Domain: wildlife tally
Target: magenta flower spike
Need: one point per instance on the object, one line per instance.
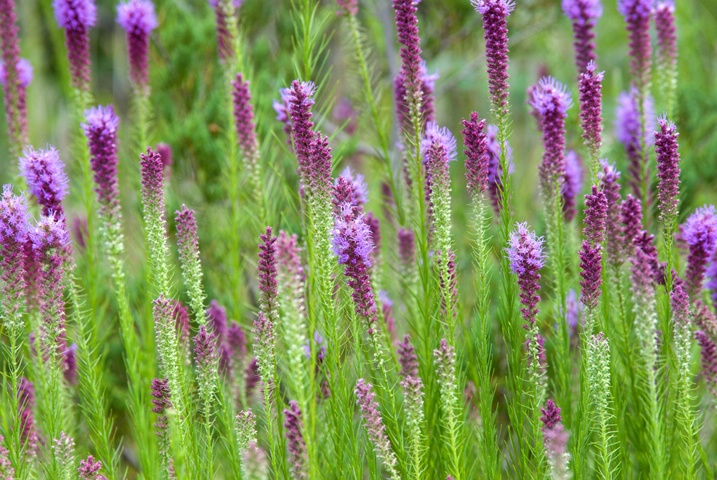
(225, 37)
(590, 87)
(628, 132)
(590, 273)
(476, 152)
(180, 313)
(609, 178)
(708, 351)
(350, 188)
(637, 15)
(244, 118)
(374, 425)
(162, 401)
(76, 17)
(205, 351)
(217, 319)
(572, 185)
(138, 19)
(495, 32)
(667, 48)
(14, 233)
(11, 77)
(352, 245)
(700, 234)
(407, 358)
(152, 179)
(23, 71)
(295, 440)
(584, 15)
(555, 438)
(595, 216)
(300, 101)
(90, 469)
(525, 253)
(100, 127)
(45, 175)
(348, 7)
(411, 75)
(266, 275)
(427, 82)
(668, 169)
(495, 172)
(631, 223)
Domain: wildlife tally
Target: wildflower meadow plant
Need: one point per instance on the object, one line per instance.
(258, 251)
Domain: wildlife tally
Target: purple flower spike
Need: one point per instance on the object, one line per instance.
(591, 274)
(45, 175)
(667, 43)
(244, 118)
(609, 178)
(152, 172)
(476, 152)
(89, 469)
(552, 100)
(236, 340)
(595, 216)
(11, 77)
(225, 39)
(631, 220)
(300, 100)
(525, 252)
(180, 313)
(708, 351)
(69, 364)
(668, 169)
(374, 424)
(295, 440)
(76, 17)
(266, 274)
(406, 247)
(555, 438)
(100, 127)
(407, 358)
(591, 107)
(700, 234)
(495, 31)
(495, 172)
(628, 132)
(350, 188)
(583, 15)
(410, 76)
(680, 302)
(204, 348)
(637, 18)
(161, 401)
(14, 228)
(572, 185)
(138, 19)
(427, 83)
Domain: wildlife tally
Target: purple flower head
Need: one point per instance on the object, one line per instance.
(236, 339)
(204, 348)
(637, 18)
(217, 318)
(75, 14)
(266, 275)
(590, 273)
(152, 171)
(572, 185)
(410, 73)
(406, 247)
(645, 242)
(164, 150)
(551, 415)
(609, 178)
(24, 73)
(138, 19)
(708, 351)
(628, 132)
(350, 188)
(555, 438)
(582, 11)
(668, 169)
(180, 313)
(525, 253)
(295, 440)
(699, 232)
(300, 101)
(631, 223)
(551, 98)
(89, 469)
(373, 422)
(161, 401)
(45, 175)
(495, 172)
(583, 15)
(595, 216)
(476, 152)
(15, 251)
(426, 85)
(100, 127)
(495, 32)
(407, 358)
(680, 302)
(590, 86)
(244, 117)
(666, 35)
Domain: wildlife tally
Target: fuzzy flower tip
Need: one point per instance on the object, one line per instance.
(138, 19)
(75, 14)
(76, 17)
(408, 37)
(552, 101)
(495, 32)
(300, 101)
(668, 169)
(101, 124)
(24, 73)
(583, 15)
(590, 87)
(350, 187)
(295, 440)
(45, 175)
(525, 253)
(572, 185)
(700, 234)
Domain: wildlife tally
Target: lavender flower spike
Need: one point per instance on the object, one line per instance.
(138, 19)
(583, 14)
(668, 171)
(295, 441)
(14, 219)
(667, 49)
(244, 120)
(375, 427)
(76, 17)
(407, 358)
(11, 77)
(410, 74)
(45, 175)
(637, 15)
(552, 100)
(590, 86)
(591, 250)
(101, 124)
(439, 148)
(525, 252)
(495, 31)
(476, 152)
(267, 274)
(700, 234)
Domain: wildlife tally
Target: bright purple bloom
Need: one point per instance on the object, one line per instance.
(668, 169)
(476, 152)
(350, 188)
(295, 440)
(552, 101)
(164, 150)
(11, 78)
(16, 254)
(45, 175)
(700, 234)
(609, 178)
(525, 252)
(572, 185)
(495, 31)
(217, 318)
(438, 149)
(152, 171)
(637, 18)
(244, 118)
(642, 276)
(89, 469)
(590, 273)
(410, 75)
(266, 275)
(138, 19)
(427, 87)
(645, 242)
(495, 172)
(680, 302)
(595, 216)
(583, 15)
(628, 132)
(407, 358)
(631, 223)
(591, 107)
(76, 17)
(100, 127)
(406, 247)
(352, 245)
(708, 351)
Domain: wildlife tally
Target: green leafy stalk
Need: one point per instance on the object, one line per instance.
(597, 358)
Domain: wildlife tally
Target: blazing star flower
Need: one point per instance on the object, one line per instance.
(609, 178)
(224, 10)
(590, 86)
(668, 169)
(14, 236)
(628, 132)
(161, 401)
(552, 100)
(374, 426)
(555, 438)
(348, 7)
(572, 184)
(11, 77)
(266, 275)
(525, 253)
(438, 149)
(407, 358)
(631, 224)
(495, 172)
(590, 272)
(23, 71)
(188, 249)
(138, 19)
(708, 351)
(476, 152)
(583, 15)
(89, 469)
(264, 348)
(700, 234)
(410, 74)
(76, 17)
(595, 216)
(667, 46)
(217, 319)
(244, 118)
(100, 127)
(637, 15)
(495, 32)
(45, 175)
(295, 440)
(350, 188)
(427, 87)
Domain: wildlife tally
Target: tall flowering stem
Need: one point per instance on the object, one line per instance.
(14, 229)
(445, 358)
(700, 234)
(600, 395)
(296, 444)
(76, 18)
(375, 427)
(583, 15)
(555, 440)
(666, 51)
(590, 86)
(596, 207)
(188, 246)
(15, 75)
